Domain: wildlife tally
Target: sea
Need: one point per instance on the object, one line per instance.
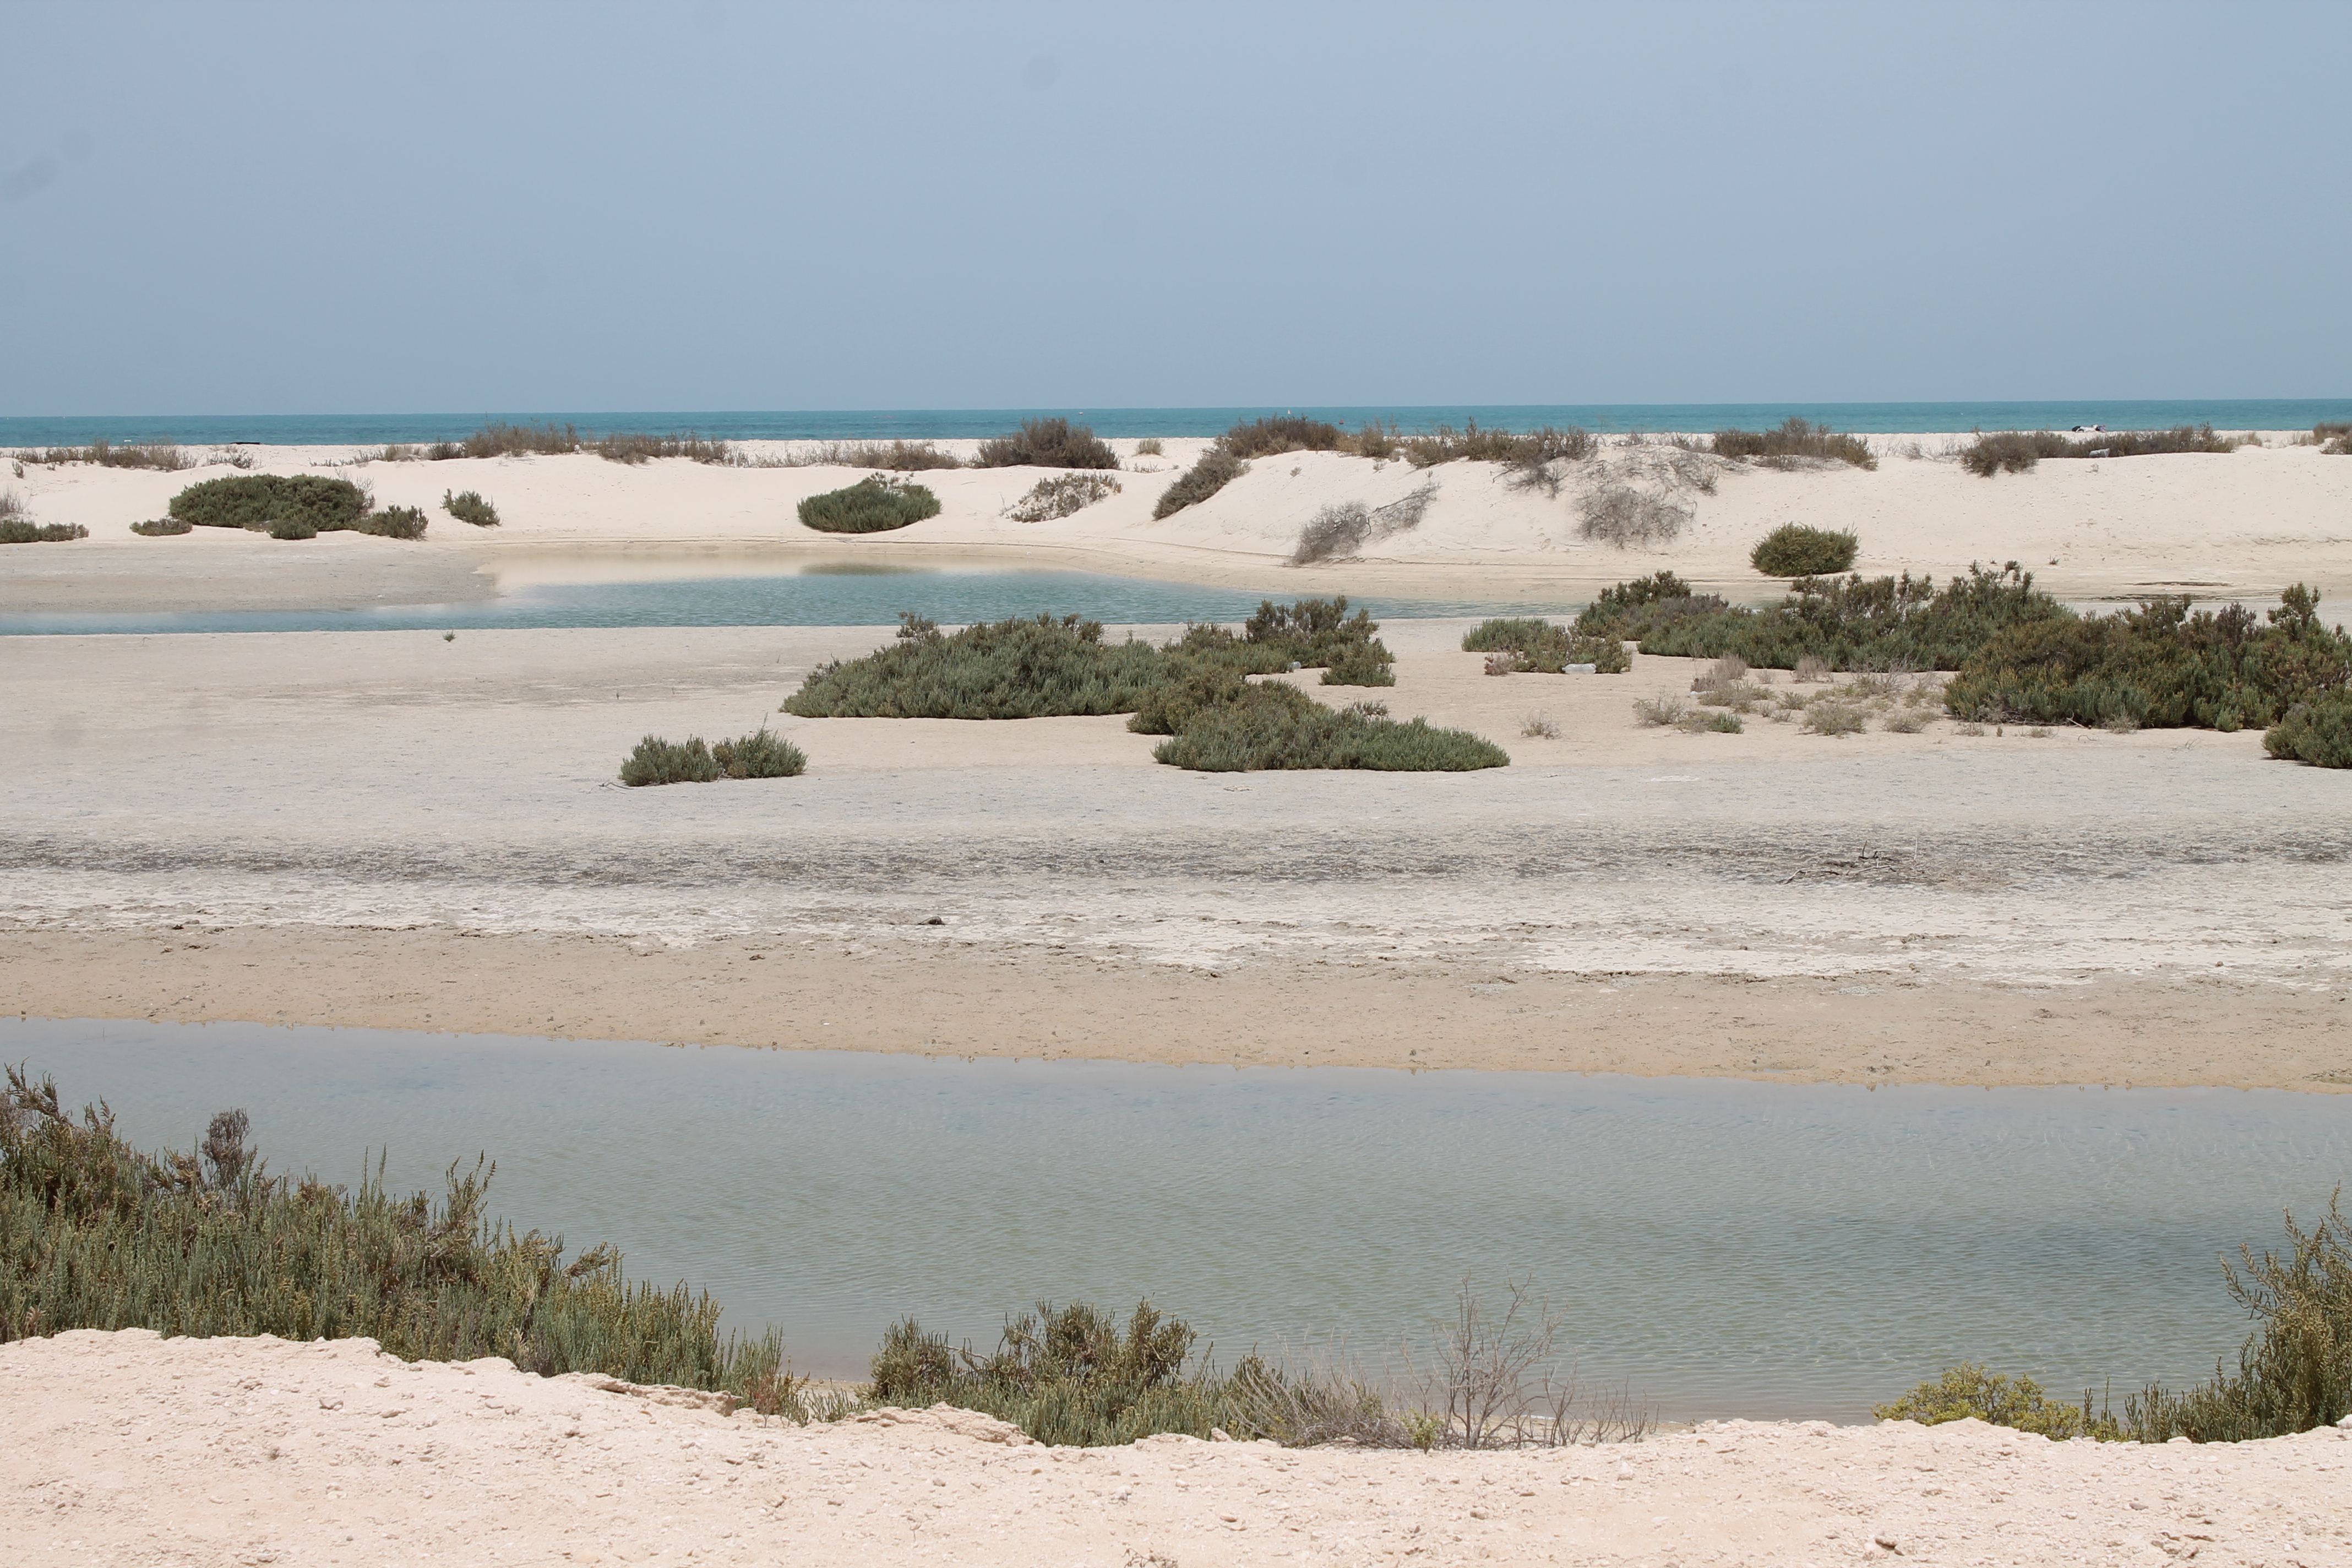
(959, 424)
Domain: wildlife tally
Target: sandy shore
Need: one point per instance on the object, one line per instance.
(2244, 523)
(128, 1448)
(390, 829)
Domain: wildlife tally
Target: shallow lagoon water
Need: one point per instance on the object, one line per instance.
(1728, 1247)
(860, 595)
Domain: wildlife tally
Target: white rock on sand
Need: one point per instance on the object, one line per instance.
(130, 1448)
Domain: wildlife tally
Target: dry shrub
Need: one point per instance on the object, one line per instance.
(1062, 496)
(1338, 531)
(1665, 708)
(1619, 515)
(1828, 717)
(1904, 722)
(1278, 433)
(1148, 447)
(1502, 663)
(893, 457)
(1795, 441)
(1047, 444)
(1811, 667)
(1536, 726)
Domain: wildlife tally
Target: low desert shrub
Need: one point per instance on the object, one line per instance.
(1792, 441)
(2333, 437)
(1280, 433)
(1360, 664)
(1667, 708)
(444, 451)
(1793, 549)
(1904, 722)
(20, 531)
(2158, 666)
(1216, 470)
(1276, 726)
(95, 1234)
(392, 523)
(659, 762)
(894, 457)
(501, 440)
(1335, 532)
(875, 504)
(1717, 723)
(161, 527)
(1542, 648)
(1539, 727)
(1047, 444)
(1148, 447)
(1062, 496)
(1375, 438)
(292, 528)
(1004, 669)
(2010, 451)
(1312, 632)
(762, 754)
(164, 455)
(2318, 730)
(258, 501)
(1531, 449)
(467, 506)
(1828, 717)
(1611, 513)
(634, 448)
(1968, 1391)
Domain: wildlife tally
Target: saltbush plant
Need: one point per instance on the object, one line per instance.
(1543, 647)
(19, 530)
(258, 501)
(392, 523)
(1281, 432)
(875, 504)
(1004, 669)
(467, 506)
(2016, 451)
(762, 754)
(1274, 725)
(2158, 666)
(1969, 1392)
(1793, 440)
(1794, 550)
(1063, 495)
(1047, 444)
(162, 528)
(2318, 730)
(1216, 470)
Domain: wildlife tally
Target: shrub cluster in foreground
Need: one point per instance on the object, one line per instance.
(761, 754)
(291, 506)
(875, 504)
(1543, 647)
(1793, 549)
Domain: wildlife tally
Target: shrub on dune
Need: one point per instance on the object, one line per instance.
(1281, 432)
(392, 523)
(467, 506)
(1216, 470)
(257, 500)
(1793, 549)
(1792, 441)
(875, 504)
(1063, 495)
(1047, 444)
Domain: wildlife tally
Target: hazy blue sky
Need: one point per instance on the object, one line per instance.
(321, 208)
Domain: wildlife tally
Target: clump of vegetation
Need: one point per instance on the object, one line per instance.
(1838, 719)
(762, 754)
(1793, 549)
(164, 455)
(1312, 632)
(293, 505)
(22, 530)
(1340, 530)
(97, 1234)
(1004, 669)
(894, 457)
(639, 449)
(392, 523)
(467, 506)
(1281, 432)
(501, 440)
(658, 761)
(1667, 708)
(161, 527)
(1851, 623)
(1062, 496)
(2016, 451)
(1047, 444)
(1543, 647)
(1793, 441)
(1968, 1391)
(2318, 731)
(2011, 452)
(1274, 725)
(2333, 437)
(1216, 470)
(2157, 665)
(875, 504)
(1148, 447)
(1518, 450)
(1620, 515)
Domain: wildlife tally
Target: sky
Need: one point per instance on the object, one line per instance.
(344, 208)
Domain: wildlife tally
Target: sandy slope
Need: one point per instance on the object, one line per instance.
(2244, 523)
(126, 1449)
(390, 829)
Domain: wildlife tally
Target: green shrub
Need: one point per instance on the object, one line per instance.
(1851, 623)
(1968, 1391)
(1360, 664)
(1541, 647)
(1063, 495)
(1047, 444)
(467, 506)
(257, 500)
(96, 1235)
(443, 451)
(1523, 450)
(1276, 726)
(875, 504)
(392, 523)
(1004, 669)
(17, 531)
(2011, 451)
(2318, 730)
(1216, 470)
(293, 528)
(1278, 433)
(633, 450)
(2156, 666)
(162, 528)
(762, 754)
(500, 441)
(1793, 549)
(1792, 440)
(895, 457)
(659, 762)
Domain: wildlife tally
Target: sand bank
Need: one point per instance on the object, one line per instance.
(127, 1448)
(390, 829)
(2240, 524)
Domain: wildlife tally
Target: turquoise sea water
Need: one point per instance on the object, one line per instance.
(863, 597)
(1730, 1249)
(948, 424)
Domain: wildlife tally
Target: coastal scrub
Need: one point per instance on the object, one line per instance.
(875, 504)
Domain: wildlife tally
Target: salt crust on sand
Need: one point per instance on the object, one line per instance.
(127, 1448)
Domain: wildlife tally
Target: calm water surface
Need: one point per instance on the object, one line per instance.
(1732, 1248)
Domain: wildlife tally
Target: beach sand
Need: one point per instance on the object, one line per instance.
(129, 1448)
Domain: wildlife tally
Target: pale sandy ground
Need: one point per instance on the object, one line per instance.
(2243, 524)
(390, 829)
(126, 1449)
